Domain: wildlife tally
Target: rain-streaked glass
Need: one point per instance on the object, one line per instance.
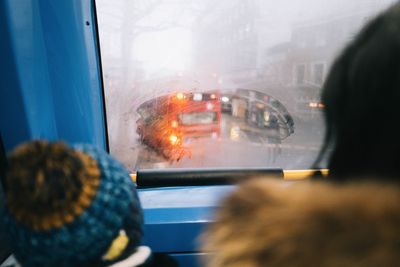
(227, 83)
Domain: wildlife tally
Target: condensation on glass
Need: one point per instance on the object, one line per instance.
(227, 83)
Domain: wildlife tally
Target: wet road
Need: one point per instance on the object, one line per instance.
(241, 145)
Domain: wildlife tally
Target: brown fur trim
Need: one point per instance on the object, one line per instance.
(303, 224)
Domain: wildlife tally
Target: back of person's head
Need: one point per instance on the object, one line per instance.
(66, 206)
(362, 99)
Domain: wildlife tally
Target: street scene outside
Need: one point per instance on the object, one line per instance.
(228, 83)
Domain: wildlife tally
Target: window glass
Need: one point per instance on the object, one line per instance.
(194, 118)
(221, 83)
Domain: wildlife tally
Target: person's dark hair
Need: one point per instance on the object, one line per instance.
(362, 104)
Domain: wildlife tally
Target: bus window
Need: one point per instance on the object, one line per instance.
(194, 118)
(228, 83)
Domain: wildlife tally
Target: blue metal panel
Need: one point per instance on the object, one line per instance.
(178, 236)
(68, 26)
(189, 259)
(29, 52)
(13, 120)
(50, 78)
(175, 217)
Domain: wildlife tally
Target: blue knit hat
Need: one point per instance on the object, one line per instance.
(82, 200)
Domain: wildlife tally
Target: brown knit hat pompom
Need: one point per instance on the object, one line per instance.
(49, 184)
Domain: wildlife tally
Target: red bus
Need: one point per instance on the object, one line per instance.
(165, 122)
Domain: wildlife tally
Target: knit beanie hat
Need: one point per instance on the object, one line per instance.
(65, 206)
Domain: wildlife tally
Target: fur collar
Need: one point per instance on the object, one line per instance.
(303, 224)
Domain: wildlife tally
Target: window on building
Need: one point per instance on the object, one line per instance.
(318, 73)
(300, 74)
